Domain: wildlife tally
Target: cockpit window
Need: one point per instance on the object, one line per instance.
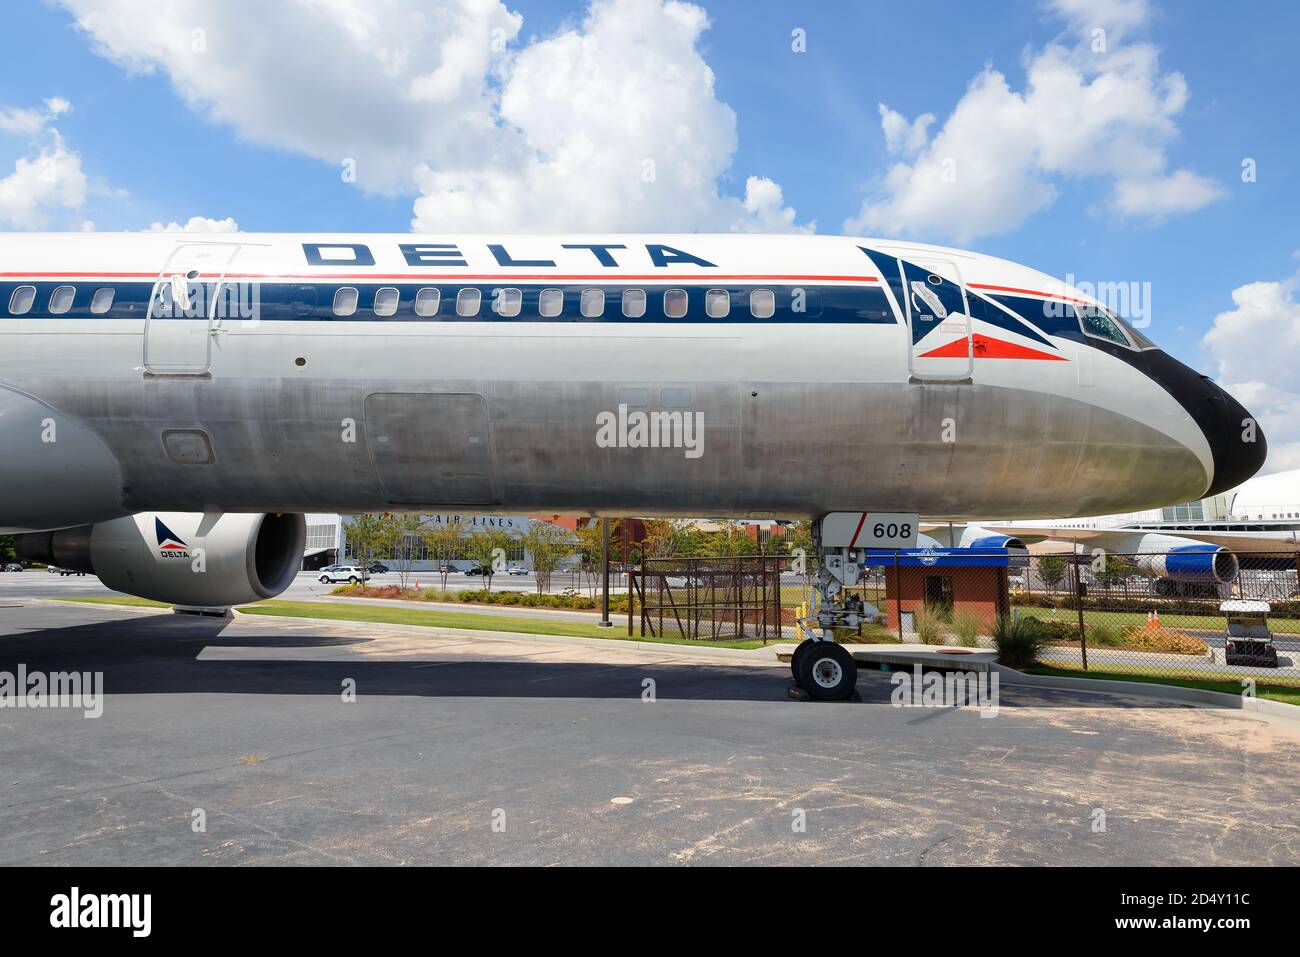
(1099, 324)
(1139, 340)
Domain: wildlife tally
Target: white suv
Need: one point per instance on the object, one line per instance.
(343, 573)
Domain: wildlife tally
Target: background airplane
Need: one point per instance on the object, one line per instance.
(1203, 541)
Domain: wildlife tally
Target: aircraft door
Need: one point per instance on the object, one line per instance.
(938, 316)
(183, 308)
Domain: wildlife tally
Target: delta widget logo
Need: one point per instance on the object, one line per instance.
(170, 545)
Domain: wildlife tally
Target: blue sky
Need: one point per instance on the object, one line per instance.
(809, 122)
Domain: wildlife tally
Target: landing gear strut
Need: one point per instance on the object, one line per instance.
(823, 669)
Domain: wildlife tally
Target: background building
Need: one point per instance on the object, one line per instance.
(327, 540)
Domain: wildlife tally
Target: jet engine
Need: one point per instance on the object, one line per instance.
(189, 559)
(972, 536)
(1183, 560)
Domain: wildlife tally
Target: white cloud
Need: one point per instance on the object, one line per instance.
(47, 183)
(900, 135)
(197, 224)
(386, 85)
(1254, 349)
(613, 124)
(1182, 191)
(1091, 107)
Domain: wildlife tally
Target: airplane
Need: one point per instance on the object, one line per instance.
(1203, 542)
(175, 403)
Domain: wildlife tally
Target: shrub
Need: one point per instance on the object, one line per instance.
(1162, 639)
(966, 626)
(1019, 641)
(1107, 636)
(1052, 629)
(928, 624)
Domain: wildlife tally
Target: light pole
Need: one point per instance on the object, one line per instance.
(604, 561)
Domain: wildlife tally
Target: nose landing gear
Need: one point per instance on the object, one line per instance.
(823, 669)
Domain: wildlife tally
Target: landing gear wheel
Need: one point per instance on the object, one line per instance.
(797, 657)
(827, 672)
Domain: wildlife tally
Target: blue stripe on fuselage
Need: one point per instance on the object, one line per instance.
(313, 301)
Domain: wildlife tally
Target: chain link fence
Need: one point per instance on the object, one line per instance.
(1185, 615)
(1181, 614)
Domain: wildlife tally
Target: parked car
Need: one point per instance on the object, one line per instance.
(516, 570)
(13, 567)
(343, 573)
(378, 568)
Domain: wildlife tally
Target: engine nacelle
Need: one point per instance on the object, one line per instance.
(1209, 564)
(972, 536)
(976, 537)
(191, 559)
(1183, 559)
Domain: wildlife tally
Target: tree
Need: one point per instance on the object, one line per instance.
(589, 546)
(798, 543)
(369, 535)
(663, 537)
(549, 545)
(730, 541)
(488, 550)
(445, 543)
(1051, 569)
(409, 531)
(7, 553)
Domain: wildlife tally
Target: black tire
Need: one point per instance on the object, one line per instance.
(828, 672)
(797, 657)
(352, 579)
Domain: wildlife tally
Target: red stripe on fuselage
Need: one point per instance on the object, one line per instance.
(1028, 292)
(595, 277)
(987, 348)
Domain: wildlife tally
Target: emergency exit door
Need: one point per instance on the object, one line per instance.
(938, 317)
(183, 308)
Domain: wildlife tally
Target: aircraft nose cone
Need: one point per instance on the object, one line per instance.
(1236, 440)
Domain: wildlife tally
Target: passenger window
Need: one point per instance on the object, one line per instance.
(550, 303)
(61, 299)
(717, 303)
(592, 303)
(507, 302)
(101, 301)
(467, 302)
(20, 303)
(675, 303)
(1098, 324)
(386, 300)
(427, 302)
(762, 304)
(345, 301)
(634, 303)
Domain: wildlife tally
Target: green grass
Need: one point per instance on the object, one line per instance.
(432, 618)
(119, 600)
(1119, 619)
(1286, 695)
(470, 621)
